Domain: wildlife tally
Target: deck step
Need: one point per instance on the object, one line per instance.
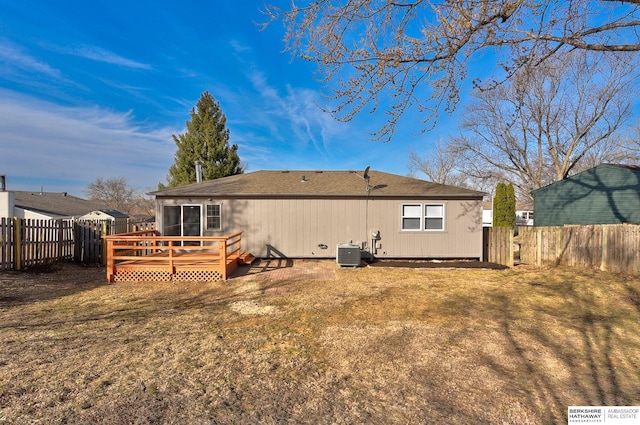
(246, 258)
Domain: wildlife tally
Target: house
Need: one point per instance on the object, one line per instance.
(606, 194)
(524, 217)
(117, 218)
(307, 214)
(44, 205)
(524, 214)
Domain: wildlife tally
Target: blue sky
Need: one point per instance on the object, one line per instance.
(96, 89)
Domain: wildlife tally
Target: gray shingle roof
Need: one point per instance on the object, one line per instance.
(316, 184)
(55, 204)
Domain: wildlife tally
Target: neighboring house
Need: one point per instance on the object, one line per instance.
(524, 217)
(487, 214)
(524, 214)
(117, 218)
(606, 194)
(307, 214)
(44, 205)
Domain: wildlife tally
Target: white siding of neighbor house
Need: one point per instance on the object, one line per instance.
(296, 227)
(7, 204)
(32, 215)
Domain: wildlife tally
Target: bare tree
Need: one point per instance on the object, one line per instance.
(114, 192)
(632, 144)
(142, 205)
(446, 164)
(397, 55)
(549, 121)
(442, 165)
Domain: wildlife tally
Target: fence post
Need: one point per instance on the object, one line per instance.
(60, 238)
(605, 249)
(539, 247)
(77, 242)
(17, 243)
(105, 232)
(559, 247)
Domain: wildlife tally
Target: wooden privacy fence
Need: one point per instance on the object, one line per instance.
(498, 245)
(28, 242)
(612, 247)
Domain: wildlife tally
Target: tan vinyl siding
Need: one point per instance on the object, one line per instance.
(295, 227)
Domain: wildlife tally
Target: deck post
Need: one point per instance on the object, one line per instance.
(223, 262)
(171, 271)
(110, 261)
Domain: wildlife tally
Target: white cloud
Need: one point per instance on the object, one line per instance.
(15, 60)
(298, 110)
(73, 144)
(101, 55)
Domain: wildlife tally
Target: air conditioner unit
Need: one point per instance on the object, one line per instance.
(348, 255)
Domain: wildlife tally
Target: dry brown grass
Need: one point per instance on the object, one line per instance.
(372, 346)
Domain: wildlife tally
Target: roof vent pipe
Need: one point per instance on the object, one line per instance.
(198, 171)
(3, 182)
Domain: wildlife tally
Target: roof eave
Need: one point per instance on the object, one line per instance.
(322, 195)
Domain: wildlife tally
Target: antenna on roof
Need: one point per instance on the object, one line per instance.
(366, 177)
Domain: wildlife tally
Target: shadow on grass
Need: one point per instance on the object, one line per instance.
(558, 342)
(262, 266)
(570, 344)
(48, 282)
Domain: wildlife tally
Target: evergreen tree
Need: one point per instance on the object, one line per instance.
(504, 206)
(206, 139)
(510, 207)
(499, 201)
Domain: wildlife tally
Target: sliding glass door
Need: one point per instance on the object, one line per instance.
(182, 220)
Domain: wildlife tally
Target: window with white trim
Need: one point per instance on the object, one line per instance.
(433, 217)
(214, 217)
(411, 216)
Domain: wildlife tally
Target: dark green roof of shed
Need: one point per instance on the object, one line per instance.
(633, 169)
(317, 184)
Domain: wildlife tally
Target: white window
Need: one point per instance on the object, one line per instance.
(434, 217)
(411, 216)
(214, 217)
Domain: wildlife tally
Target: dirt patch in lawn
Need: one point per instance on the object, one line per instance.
(369, 345)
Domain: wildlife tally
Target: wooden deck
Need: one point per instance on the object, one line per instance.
(148, 256)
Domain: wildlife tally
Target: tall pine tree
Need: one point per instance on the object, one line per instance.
(499, 202)
(510, 208)
(206, 139)
(504, 206)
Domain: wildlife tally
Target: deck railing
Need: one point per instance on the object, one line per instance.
(147, 255)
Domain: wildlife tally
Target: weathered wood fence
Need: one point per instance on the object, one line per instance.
(612, 247)
(498, 245)
(28, 243)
